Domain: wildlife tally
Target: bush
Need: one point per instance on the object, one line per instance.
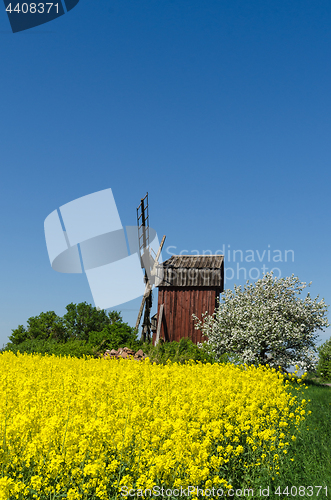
(324, 365)
(85, 331)
(78, 322)
(82, 331)
(114, 336)
(46, 326)
(76, 348)
(179, 352)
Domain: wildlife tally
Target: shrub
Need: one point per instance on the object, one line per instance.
(46, 326)
(324, 365)
(76, 348)
(114, 336)
(82, 331)
(179, 352)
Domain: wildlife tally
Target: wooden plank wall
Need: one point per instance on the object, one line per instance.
(179, 305)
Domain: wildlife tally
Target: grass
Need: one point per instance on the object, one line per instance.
(312, 451)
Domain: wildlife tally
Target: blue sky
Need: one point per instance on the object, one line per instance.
(221, 110)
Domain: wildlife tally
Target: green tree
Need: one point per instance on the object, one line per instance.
(115, 335)
(46, 326)
(114, 317)
(84, 329)
(324, 363)
(18, 335)
(83, 318)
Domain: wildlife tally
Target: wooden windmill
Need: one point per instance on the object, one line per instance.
(149, 263)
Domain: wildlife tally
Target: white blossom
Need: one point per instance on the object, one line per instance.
(266, 323)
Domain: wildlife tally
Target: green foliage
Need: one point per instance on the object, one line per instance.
(82, 331)
(76, 348)
(324, 365)
(311, 452)
(86, 331)
(46, 326)
(114, 336)
(19, 335)
(78, 322)
(179, 352)
(81, 319)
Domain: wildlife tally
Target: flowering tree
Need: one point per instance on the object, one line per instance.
(266, 323)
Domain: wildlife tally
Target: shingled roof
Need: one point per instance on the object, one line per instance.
(193, 270)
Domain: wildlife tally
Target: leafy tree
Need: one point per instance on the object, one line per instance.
(81, 319)
(81, 323)
(114, 317)
(43, 327)
(266, 323)
(115, 335)
(18, 335)
(324, 363)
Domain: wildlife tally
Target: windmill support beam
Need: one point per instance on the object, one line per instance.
(146, 331)
(159, 321)
(143, 221)
(148, 289)
(147, 298)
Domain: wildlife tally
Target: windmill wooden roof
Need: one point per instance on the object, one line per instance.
(193, 271)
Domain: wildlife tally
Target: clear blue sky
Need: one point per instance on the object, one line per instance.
(221, 110)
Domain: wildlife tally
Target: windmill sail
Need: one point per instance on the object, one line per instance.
(149, 262)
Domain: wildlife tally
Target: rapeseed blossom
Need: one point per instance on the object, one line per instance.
(86, 428)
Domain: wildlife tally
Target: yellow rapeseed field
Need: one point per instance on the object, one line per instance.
(89, 428)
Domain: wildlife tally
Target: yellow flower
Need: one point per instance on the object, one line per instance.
(71, 421)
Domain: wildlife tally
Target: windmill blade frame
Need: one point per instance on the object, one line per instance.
(148, 288)
(148, 263)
